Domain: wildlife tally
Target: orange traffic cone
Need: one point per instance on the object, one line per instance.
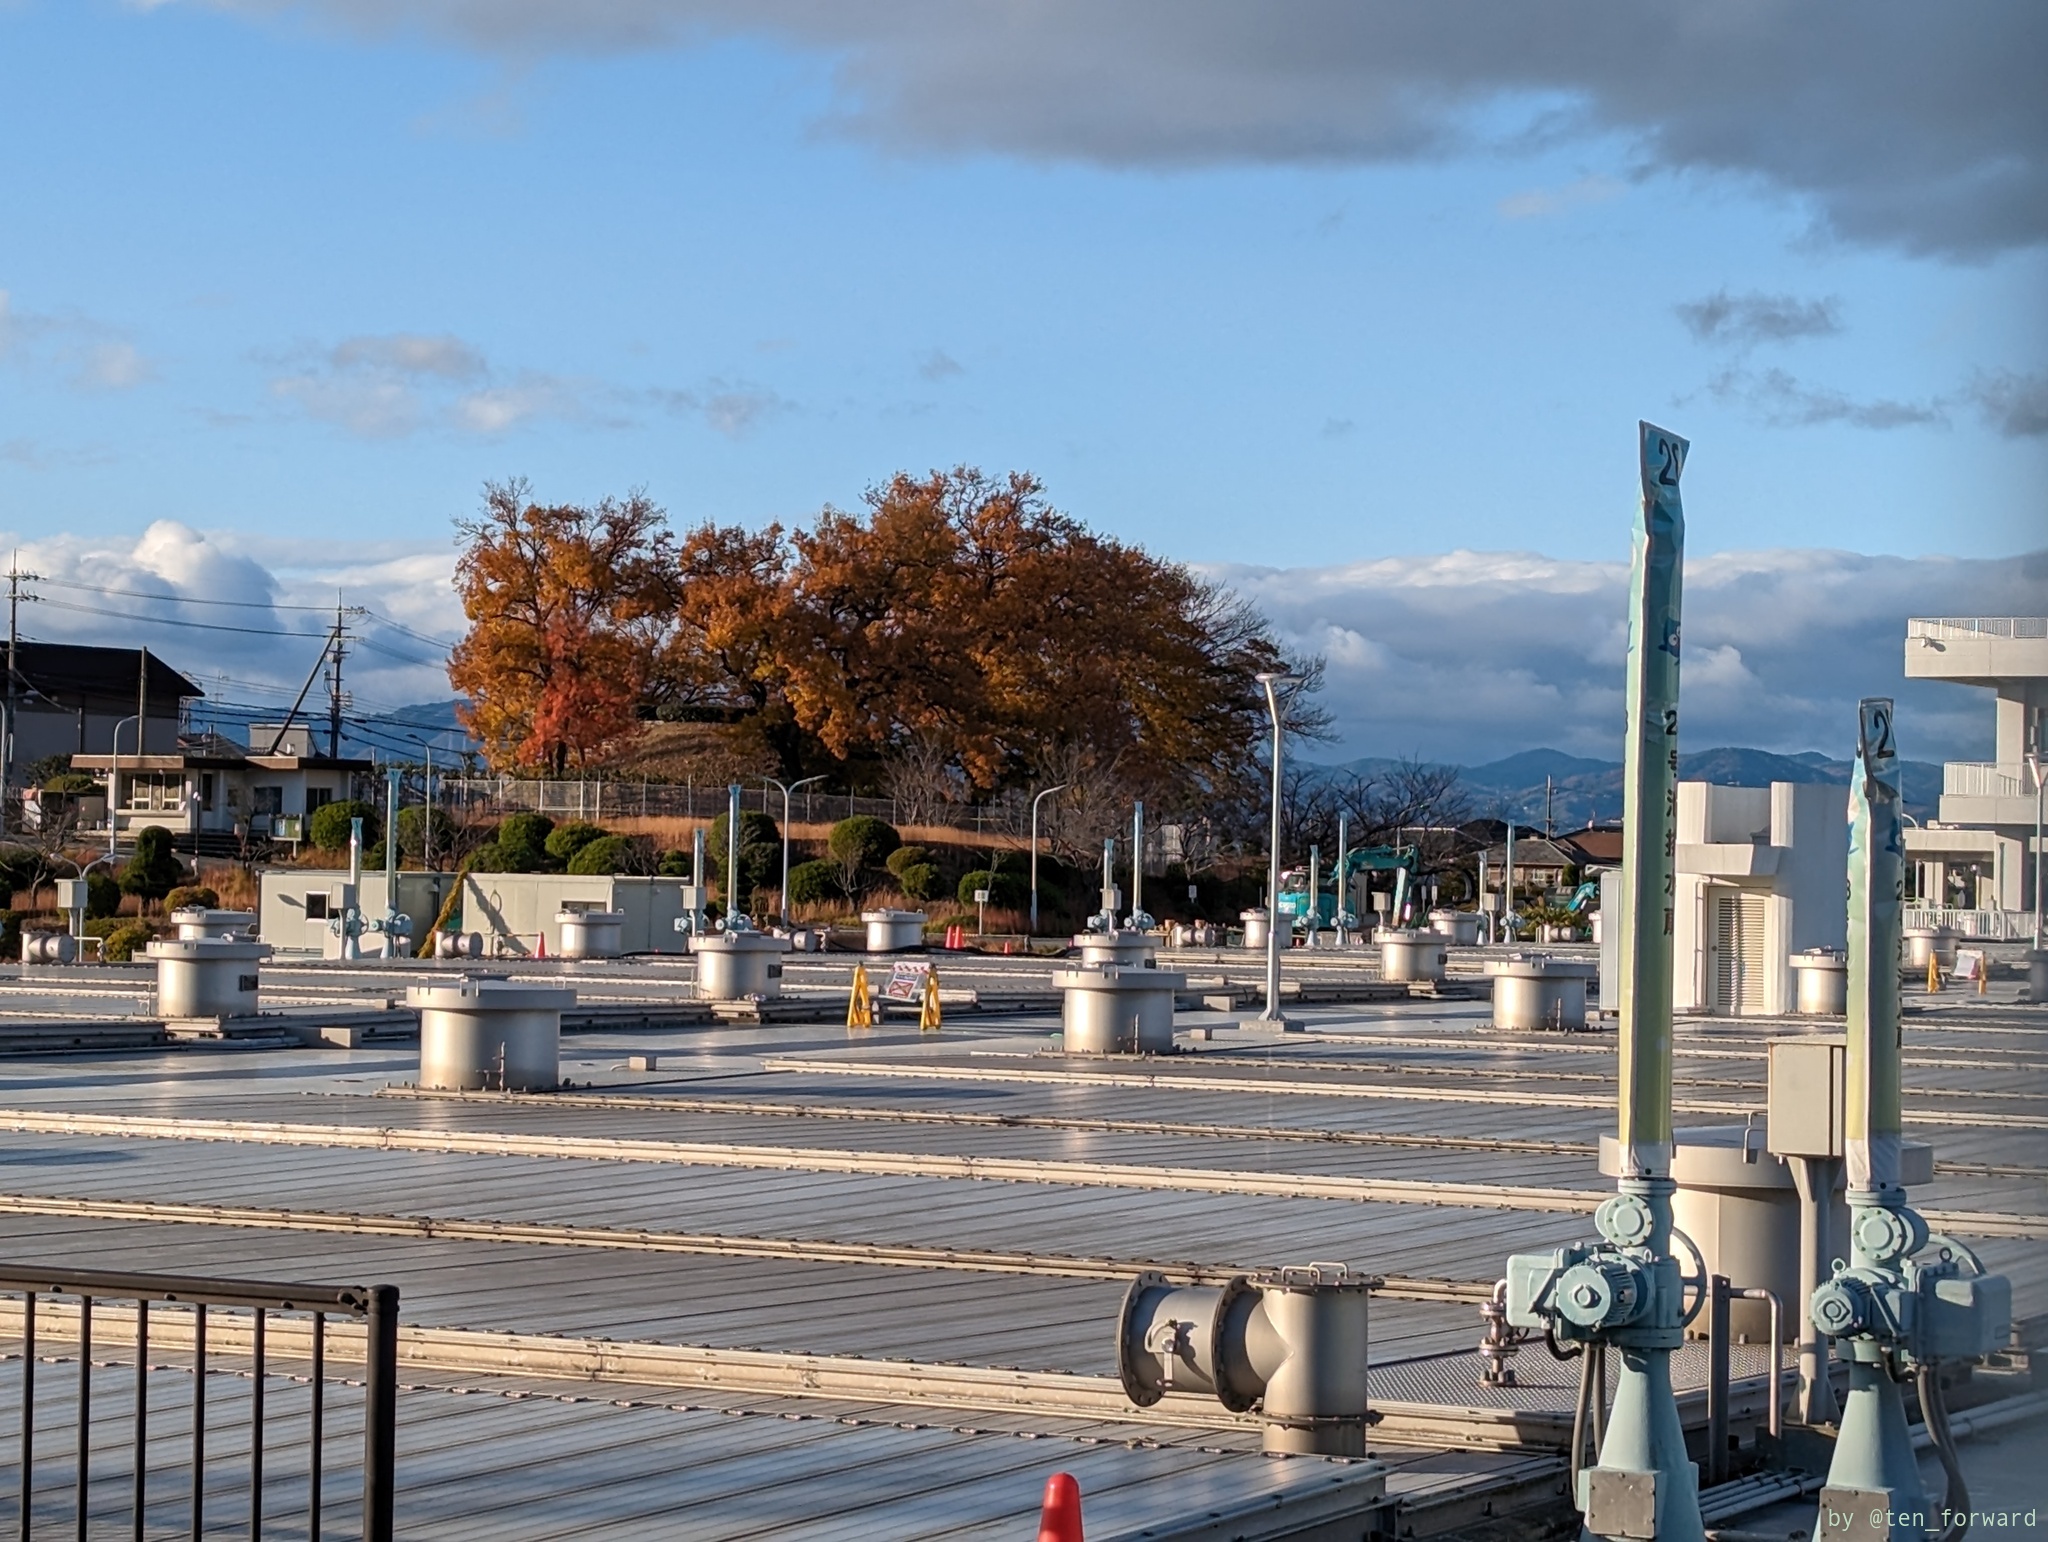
(540, 944)
(1060, 1518)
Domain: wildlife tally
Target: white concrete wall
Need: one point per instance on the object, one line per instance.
(515, 907)
(281, 916)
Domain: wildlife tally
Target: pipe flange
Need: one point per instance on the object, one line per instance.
(1883, 1234)
(1234, 1289)
(1135, 1388)
(1625, 1220)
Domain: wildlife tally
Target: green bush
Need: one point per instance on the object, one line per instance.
(608, 854)
(862, 841)
(907, 856)
(329, 827)
(813, 883)
(1006, 890)
(10, 934)
(194, 896)
(918, 880)
(564, 841)
(487, 858)
(756, 829)
(154, 870)
(102, 894)
(124, 941)
(522, 842)
(72, 782)
(674, 863)
(413, 826)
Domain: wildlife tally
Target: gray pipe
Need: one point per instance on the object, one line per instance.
(1291, 1342)
(1137, 865)
(1109, 883)
(732, 857)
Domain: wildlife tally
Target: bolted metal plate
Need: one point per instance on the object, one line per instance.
(1620, 1504)
(1864, 1514)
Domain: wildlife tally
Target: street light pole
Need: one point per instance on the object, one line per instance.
(783, 899)
(114, 779)
(1059, 787)
(1272, 681)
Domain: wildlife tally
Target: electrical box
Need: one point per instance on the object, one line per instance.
(71, 893)
(1804, 1104)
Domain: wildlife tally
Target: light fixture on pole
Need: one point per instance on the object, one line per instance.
(2034, 765)
(1272, 681)
(783, 895)
(114, 779)
(1058, 787)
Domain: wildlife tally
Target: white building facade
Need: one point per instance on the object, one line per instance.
(1975, 864)
(1762, 874)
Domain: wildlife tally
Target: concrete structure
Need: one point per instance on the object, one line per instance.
(485, 1032)
(893, 931)
(296, 904)
(1113, 1009)
(512, 909)
(1759, 878)
(1978, 857)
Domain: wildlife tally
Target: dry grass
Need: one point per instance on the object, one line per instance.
(672, 833)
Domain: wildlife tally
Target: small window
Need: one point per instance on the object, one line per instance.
(266, 801)
(318, 797)
(316, 907)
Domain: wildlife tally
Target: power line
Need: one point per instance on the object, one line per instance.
(202, 626)
(176, 599)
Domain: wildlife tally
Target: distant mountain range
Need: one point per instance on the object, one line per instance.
(1583, 792)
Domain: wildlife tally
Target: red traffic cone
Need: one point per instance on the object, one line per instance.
(1060, 1518)
(540, 944)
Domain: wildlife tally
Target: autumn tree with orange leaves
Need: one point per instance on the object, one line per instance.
(955, 620)
(567, 606)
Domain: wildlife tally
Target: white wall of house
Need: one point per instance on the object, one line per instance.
(1761, 875)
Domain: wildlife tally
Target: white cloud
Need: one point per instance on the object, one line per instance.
(389, 385)
(732, 408)
(85, 354)
(1468, 656)
(1544, 202)
(257, 649)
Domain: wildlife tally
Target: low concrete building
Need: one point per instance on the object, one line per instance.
(297, 903)
(513, 911)
(212, 793)
(1760, 877)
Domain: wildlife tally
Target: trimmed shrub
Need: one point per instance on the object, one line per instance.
(487, 858)
(1006, 890)
(154, 870)
(673, 863)
(102, 895)
(73, 782)
(608, 854)
(522, 842)
(194, 896)
(907, 856)
(328, 829)
(862, 841)
(756, 829)
(412, 828)
(813, 883)
(919, 880)
(564, 841)
(124, 941)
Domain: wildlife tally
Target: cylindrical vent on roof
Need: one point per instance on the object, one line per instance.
(486, 1032)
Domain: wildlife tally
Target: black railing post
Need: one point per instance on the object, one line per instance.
(28, 1414)
(84, 1411)
(198, 1421)
(319, 1426)
(380, 1414)
(256, 1438)
(141, 1411)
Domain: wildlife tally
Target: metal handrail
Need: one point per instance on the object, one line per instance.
(1977, 626)
(375, 1306)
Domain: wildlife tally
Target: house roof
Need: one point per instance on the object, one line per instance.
(78, 675)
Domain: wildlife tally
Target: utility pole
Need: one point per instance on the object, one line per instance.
(338, 650)
(14, 599)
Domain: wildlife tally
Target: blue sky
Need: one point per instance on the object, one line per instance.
(300, 278)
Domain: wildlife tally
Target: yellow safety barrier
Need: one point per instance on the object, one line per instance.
(928, 1004)
(1933, 973)
(860, 1005)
